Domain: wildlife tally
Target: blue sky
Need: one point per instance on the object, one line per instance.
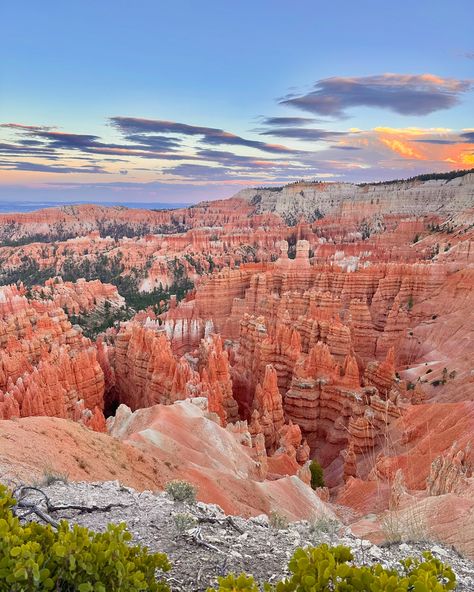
(368, 90)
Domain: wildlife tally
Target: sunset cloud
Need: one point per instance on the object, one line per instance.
(402, 148)
(196, 155)
(42, 140)
(44, 168)
(406, 94)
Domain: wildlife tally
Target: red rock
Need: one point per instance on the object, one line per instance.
(350, 462)
(146, 371)
(450, 471)
(216, 379)
(46, 366)
(224, 471)
(268, 403)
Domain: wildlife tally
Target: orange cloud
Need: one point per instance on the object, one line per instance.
(402, 148)
(467, 159)
(412, 131)
(432, 144)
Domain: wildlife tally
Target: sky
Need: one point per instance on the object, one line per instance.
(180, 101)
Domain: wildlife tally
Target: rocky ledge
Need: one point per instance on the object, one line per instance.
(203, 543)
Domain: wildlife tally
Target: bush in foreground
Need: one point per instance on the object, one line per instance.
(35, 557)
(321, 569)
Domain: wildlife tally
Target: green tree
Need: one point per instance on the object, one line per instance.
(317, 475)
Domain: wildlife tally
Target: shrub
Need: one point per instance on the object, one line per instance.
(233, 583)
(184, 522)
(321, 569)
(35, 557)
(324, 525)
(317, 476)
(50, 476)
(278, 521)
(181, 491)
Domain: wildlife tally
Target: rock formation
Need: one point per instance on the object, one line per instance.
(317, 320)
(46, 366)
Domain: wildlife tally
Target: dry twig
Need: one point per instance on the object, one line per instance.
(26, 504)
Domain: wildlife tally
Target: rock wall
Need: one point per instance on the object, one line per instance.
(299, 200)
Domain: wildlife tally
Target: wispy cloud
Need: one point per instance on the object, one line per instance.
(287, 121)
(228, 158)
(195, 157)
(302, 133)
(235, 167)
(468, 136)
(207, 135)
(406, 94)
(344, 147)
(42, 140)
(45, 168)
(20, 150)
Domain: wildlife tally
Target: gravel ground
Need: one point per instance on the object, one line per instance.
(202, 542)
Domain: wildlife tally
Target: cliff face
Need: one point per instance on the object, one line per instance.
(256, 208)
(298, 200)
(79, 220)
(80, 297)
(146, 371)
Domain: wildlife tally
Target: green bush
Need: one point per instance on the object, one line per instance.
(321, 569)
(232, 583)
(34, 557)
(317, 476)
(184, 522)
(181, 491)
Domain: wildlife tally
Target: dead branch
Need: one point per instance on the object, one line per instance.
(87, 509)
(24, 496)
(197, 537)
(222, 521)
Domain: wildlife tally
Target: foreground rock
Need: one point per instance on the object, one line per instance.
(238, 545)
(155, 445)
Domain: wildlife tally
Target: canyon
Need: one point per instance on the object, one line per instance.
(232, 342)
